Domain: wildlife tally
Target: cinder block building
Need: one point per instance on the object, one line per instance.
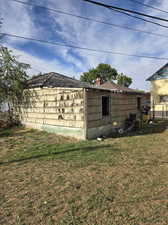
(66, 106)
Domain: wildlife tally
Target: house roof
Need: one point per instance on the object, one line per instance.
(55, 80)
(111, 85)
(162, 73)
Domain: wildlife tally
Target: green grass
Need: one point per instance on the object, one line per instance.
(49, 179)
(38, 147)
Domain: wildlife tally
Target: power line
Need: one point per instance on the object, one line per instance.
(83, 48)
(126, 10)
(149, 6)
(136, 17)
(148, 21)
(95, 20)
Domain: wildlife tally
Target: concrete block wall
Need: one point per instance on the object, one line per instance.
(77, 112)
(56, 109)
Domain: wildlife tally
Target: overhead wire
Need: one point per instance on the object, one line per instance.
(96, 20)
(126, 10)
(149, 6)
(136, 17)
(82, 48)
(77, 47)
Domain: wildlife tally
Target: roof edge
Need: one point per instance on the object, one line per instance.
(151, 77)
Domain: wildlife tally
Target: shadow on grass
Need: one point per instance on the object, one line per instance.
(155, 128)
(78, 149)
(15, 131)
(6, 132)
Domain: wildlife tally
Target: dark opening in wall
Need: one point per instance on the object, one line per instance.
(139, 103)
(105, 105)
(60, 117)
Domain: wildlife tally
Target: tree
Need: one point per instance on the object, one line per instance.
(103, 71)
(123, 80)
(13, 79)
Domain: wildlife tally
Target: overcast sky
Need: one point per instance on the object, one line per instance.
(38, 23)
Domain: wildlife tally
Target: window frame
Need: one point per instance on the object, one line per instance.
(163, 101)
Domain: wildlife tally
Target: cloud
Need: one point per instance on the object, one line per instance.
(15, 19)
(103, 37)
(39, 65)
(33, 22)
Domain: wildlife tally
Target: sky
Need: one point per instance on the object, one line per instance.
(38, 23)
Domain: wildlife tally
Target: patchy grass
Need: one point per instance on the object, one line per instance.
(49, 179)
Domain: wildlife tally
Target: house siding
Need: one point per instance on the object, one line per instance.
(59, 110)
(77, 112)
(159, 109)
(121, 106)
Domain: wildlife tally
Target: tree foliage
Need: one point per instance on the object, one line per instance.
(124, 80)
(12, 80)
(103, 71)
(106, 73)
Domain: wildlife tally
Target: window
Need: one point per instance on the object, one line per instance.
(163, 98)
(105, 105)
(138, 103)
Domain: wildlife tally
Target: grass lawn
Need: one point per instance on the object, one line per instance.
(47, 179)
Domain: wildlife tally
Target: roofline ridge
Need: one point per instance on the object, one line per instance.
(66, 76)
